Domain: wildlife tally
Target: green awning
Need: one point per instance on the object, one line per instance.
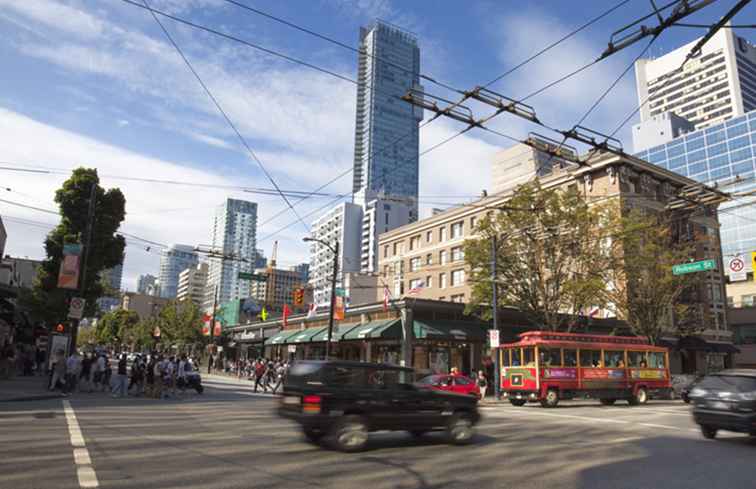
(390, 328)
(435, 329)
(304, 335)
(281, 337)
(337, 333)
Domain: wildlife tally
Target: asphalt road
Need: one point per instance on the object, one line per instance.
(229, 438)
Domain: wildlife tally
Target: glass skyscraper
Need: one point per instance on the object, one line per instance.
(722, 155)
(173, 261)
(235, 236)
(386, 130)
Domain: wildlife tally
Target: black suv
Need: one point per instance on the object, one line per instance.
(725, 401)
(342, 402)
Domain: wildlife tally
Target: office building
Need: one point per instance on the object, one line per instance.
(717, 85)
(235, 237)
(260, 260)
(342, 224)
(304, 272)
(173, 261)
(277, 289)
(659, 129)
(427, 256)
(721, 154)
(386, 161)
(192, 282)
(380, 216)
(19, 272)
(147, 284)
(146, 306)
(112, 277)
(521, 163)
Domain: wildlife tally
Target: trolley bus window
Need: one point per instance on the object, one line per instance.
(634, 358)
(570, 358)
(516, 358)
(590, 358)
(656, 359)
(550, 357)
(529, 354)
(505, 358)
(614, 359)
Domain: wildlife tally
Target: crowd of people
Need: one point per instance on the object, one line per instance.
(20, 359)
(153, 375)
(266, 373)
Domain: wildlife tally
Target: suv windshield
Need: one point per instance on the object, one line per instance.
(737, 383)
(303, 373)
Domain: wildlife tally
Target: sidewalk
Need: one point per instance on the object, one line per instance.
(26, 389)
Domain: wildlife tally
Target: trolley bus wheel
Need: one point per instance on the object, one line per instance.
(518, 402)
(640, 397)
(551, 400)
(607, 402)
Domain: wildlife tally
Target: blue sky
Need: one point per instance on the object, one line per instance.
(95, 83)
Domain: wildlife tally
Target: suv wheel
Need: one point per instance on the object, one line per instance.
(708, 432)
(460, 429)
(313, 435)
(350, 434)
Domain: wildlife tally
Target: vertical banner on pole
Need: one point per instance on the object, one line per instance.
(68, 276)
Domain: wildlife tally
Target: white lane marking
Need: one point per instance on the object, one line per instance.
(84, 470)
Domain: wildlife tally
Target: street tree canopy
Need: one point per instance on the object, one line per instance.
(49, 303)
(547, 244)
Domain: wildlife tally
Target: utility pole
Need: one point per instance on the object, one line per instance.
(212, 315)
(333, 300)
(85, 259)
(495, 312)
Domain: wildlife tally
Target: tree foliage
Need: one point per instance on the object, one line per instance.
(180, 322)
(49, 303)
(547, 244)
(641, 248)
(116, 327)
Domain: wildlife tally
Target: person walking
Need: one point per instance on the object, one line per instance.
(85, 377)
(137, 376)
(259, 374)
(482, 384)
(121, 378)
(39, 359)
(210, 362)
(73, 369)
(58, 372)
(280, 373)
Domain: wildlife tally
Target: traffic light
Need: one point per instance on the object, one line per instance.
(298, 297)
(60, 328)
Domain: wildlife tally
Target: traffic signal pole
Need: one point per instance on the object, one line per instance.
(84, 260)
(495, 313)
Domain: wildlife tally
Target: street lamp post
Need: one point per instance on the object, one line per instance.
(335, 251)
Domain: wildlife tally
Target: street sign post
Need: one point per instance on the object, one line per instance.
(697, 266)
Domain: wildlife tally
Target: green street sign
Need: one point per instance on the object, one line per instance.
(698, 266)
(252, 276)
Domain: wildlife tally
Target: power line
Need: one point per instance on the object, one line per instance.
(225, 116)
(556, 43)
(708, 26)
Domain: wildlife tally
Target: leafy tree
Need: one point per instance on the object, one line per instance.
(547, 244)
(85, 337)
(640, 250)
(116, 327)
(180, 322)
(49, 303)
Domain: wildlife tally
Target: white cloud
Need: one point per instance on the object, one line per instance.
(20, 144)
(57, 16)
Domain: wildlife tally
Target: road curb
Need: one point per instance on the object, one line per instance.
(39, 397)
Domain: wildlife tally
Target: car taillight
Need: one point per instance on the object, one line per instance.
(311, 404)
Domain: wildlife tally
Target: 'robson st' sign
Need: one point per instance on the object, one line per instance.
(698, 266)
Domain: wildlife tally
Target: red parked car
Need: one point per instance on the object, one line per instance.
(451, 383)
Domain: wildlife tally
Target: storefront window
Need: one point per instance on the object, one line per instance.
(420, 360)
(439, 360)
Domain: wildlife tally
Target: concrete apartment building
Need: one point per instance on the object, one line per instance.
(277, 289)
(716, 85)
(428, 255)
(146, 306)
(191, 284)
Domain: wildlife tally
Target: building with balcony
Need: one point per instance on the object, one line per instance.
(192, 284)
(173, 261)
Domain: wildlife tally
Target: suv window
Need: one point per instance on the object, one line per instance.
(303, 373)
(387, 378)
(345, 376)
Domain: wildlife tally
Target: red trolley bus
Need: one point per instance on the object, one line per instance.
(548, 366)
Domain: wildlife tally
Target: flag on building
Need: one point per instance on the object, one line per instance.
(339, 310)
(416, 289)
(263, 314)
(218, 328)
(286, 313)
(312, 310)
(386, 297)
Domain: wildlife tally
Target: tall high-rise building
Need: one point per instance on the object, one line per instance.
(147, 284)
(235, 236)
(173, 261)
(386, 161)
(341, 224)
(192, 282)
(113, 277)
(716, 85)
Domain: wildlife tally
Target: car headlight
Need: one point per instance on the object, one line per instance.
(748, 396)
(696, 392)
